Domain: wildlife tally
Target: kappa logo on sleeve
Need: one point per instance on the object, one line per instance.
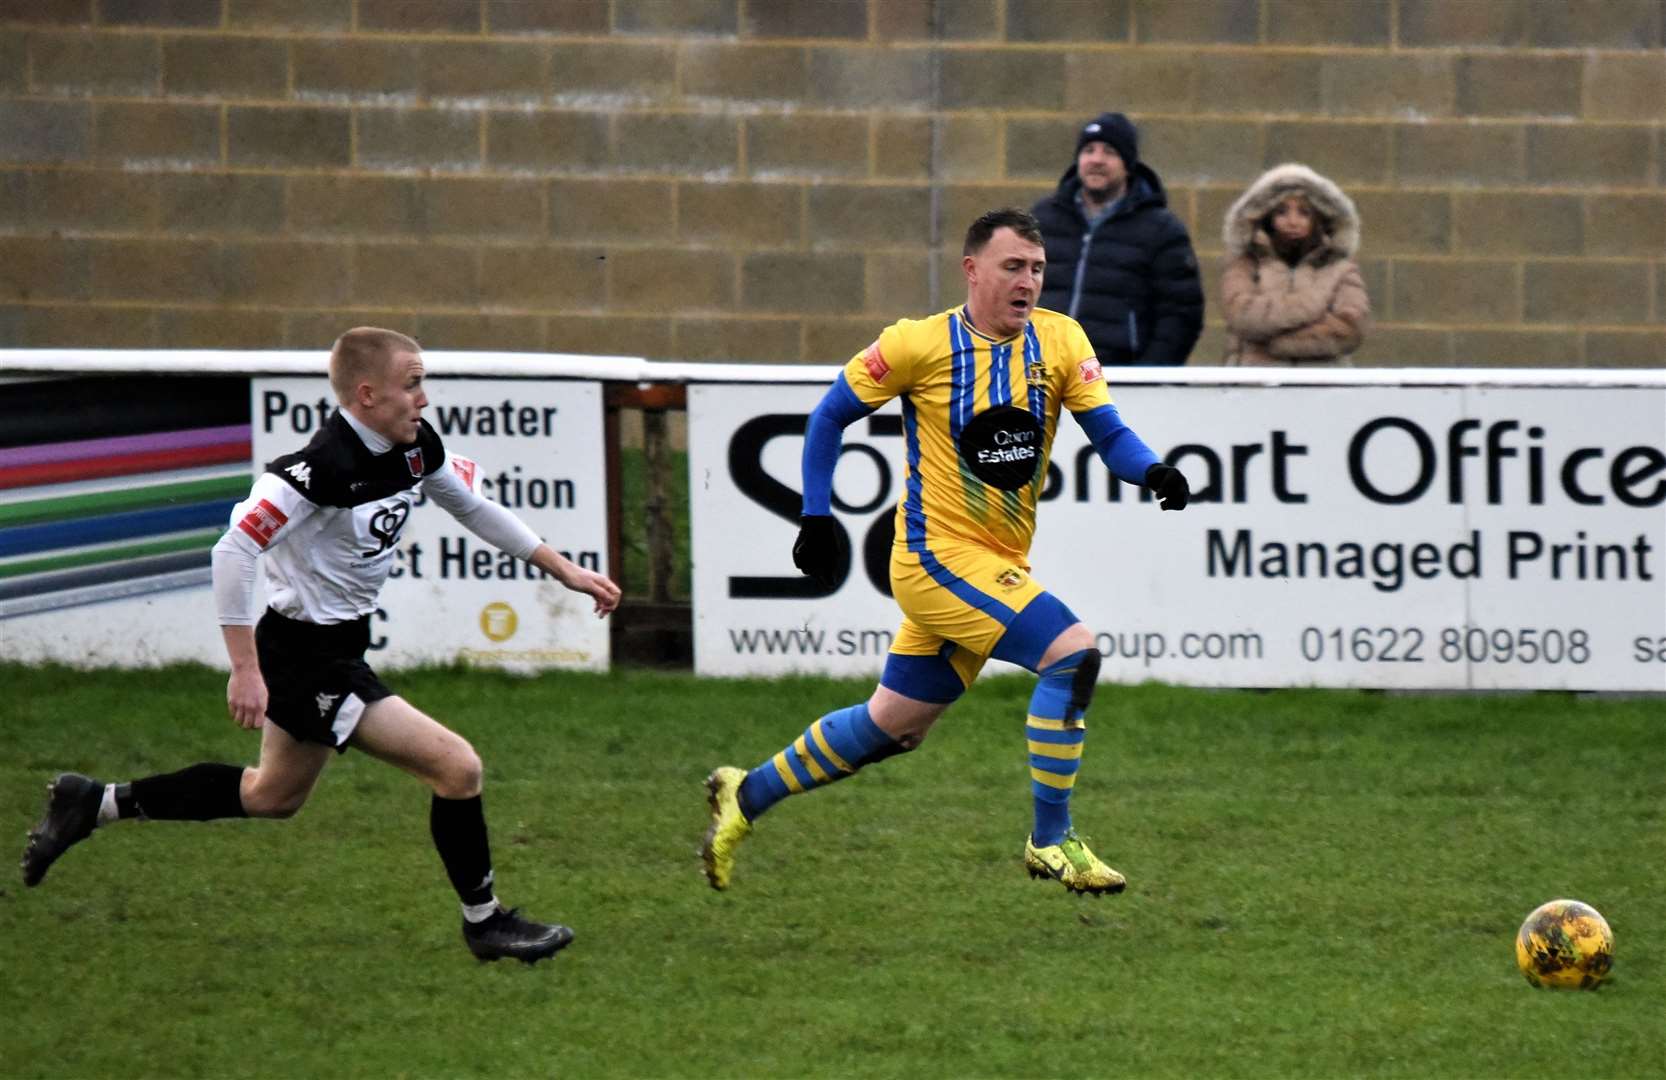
(1090, 370)
(465, 470)
(302, 472)
(875, 362)
(262, 522)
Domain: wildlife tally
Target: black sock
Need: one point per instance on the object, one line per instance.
(198, 793)
(459, 828)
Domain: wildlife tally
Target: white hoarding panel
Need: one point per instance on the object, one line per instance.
(1414, 537)
(754, 613)
(172, 622)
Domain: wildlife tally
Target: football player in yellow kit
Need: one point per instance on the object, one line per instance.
(982, 388)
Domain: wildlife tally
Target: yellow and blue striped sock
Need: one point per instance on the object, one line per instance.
(1055, 731)
(830, 749)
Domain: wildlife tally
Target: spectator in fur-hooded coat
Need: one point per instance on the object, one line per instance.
(1292, 292)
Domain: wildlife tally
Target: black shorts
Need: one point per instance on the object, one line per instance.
(317, 683)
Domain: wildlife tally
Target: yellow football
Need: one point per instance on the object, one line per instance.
(1565, 943)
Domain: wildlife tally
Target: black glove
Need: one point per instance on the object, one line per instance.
(1169, 485)
(821, 550)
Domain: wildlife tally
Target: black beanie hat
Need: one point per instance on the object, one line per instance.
(1118, 131)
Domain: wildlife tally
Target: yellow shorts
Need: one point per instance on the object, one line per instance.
(962, 594)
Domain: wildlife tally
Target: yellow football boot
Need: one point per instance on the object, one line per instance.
(729, 826)
(1072, 865)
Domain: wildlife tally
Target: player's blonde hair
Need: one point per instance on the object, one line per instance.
(361, 353)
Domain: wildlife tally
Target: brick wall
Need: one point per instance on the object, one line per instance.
(773, 180)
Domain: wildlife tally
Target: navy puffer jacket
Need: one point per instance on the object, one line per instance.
(1133, 283)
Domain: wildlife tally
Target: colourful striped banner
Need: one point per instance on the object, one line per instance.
(115, 487)
(27, 539)
(193, 541)
(54, 472)
(95, 584)
(70, 507)
(82, 449)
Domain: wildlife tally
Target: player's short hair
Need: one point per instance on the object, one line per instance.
(1019, 221)
(361, 353)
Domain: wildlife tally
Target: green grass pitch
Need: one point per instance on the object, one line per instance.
(1322, 884)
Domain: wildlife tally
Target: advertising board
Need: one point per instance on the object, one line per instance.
(1483, 537)
(104, 541)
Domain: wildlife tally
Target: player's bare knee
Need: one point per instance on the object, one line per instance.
(261, 802)
(905, 738)
(286, 808)
(462, 775)
(1075, 639)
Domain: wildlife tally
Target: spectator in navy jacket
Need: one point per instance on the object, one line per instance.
(1118, 261)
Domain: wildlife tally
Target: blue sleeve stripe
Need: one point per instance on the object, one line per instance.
(837, 410)
(1122, 451)
(1000, 375)
(1032, 354)
(914, 515)
(964, 374)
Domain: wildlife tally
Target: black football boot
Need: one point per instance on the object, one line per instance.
(72, 802)
(506, 934)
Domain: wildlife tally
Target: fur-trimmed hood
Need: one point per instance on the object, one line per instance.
(1243, 220)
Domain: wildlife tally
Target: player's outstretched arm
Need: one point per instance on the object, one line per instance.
(577, 578)
(501, 528)
(1130, 459)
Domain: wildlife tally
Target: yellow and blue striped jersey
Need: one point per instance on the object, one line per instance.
(946, 372)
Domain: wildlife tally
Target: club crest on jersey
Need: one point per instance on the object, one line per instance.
(1090, 369)
(1010, 578)
(874, 360)
(413, 458)
(1035, 373)
(384, 525)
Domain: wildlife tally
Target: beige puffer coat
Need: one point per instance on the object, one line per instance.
(1282, 316)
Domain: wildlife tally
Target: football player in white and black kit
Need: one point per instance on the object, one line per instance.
(328, 519)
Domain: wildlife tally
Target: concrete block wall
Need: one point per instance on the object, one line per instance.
(774, 180)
